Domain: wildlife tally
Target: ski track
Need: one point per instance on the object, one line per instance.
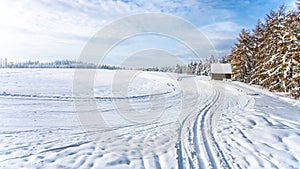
(206, 152)
(220, 129)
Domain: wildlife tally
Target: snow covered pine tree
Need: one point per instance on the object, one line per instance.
(270, 55)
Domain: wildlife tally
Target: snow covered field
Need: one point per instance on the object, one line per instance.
(150, 120)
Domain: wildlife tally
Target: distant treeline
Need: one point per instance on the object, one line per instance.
(59, 64)
(194, 67)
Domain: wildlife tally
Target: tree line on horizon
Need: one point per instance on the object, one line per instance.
(61, 64)
(200, 67)
(269, 55)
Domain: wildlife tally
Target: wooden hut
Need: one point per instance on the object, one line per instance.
(221, 71)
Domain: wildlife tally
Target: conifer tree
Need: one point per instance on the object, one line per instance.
(241, 57)
(270, 54)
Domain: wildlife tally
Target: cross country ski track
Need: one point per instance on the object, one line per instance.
(201, 149)
(198, 123)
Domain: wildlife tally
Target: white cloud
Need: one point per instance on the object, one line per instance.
(41, 25)
(291, 6)
(222, 35)
(223, 26)
(61, 28)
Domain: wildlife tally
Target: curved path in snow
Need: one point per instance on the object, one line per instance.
(189, 122)
(200, 149)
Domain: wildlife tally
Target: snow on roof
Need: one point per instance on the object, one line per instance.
(221, 68)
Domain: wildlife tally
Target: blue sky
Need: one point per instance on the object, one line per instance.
(59, 29)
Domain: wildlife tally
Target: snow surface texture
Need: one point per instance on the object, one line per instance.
(214, 124)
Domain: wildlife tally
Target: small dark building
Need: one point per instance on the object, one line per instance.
(220, 71)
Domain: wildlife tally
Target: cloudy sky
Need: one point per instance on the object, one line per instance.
(59, 29)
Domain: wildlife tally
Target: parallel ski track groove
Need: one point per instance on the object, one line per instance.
(182, 149)
(208, 152)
